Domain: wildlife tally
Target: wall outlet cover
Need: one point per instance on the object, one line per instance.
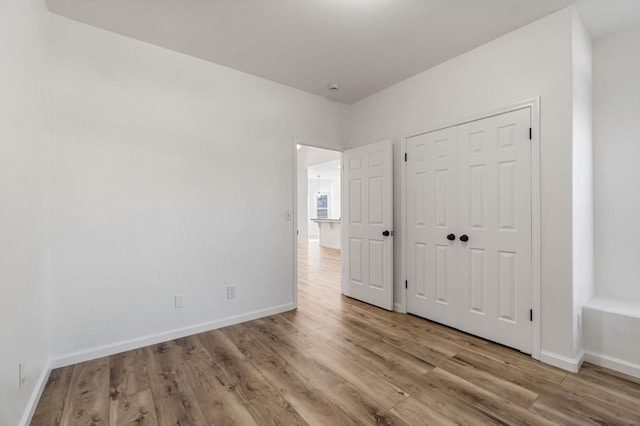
(179, 302)
(231, 292)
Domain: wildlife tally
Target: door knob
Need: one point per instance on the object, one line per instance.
(451, 237)
(386, 233)
(464, 238)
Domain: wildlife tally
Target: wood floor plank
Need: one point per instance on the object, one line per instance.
(88, 399)
(450, 406)
(522, 362)
(352, 401)
(618, 397)
(399, 334)
(307, 399)
(362, 407)
(501, 409)
(506, 389)
(220, 404)
(52, 401)
(261, 399)
(302, 321)
(277, 326)
(372, 384)
(585, 409)
(610, 379)
(376, 358)
(176, 403)
(128, 374)
(133, 409)
(573, 404)
(364, 342)
(414, 412)
(555, 412)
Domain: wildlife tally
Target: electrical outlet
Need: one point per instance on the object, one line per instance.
(231, 292)
(179, 301)
(22, 373)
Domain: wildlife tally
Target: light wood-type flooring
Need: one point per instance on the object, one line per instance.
(334, 361)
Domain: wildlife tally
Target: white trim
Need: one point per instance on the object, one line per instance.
(536, 227)
(152, 339)
(344, 288)
(613, 363)
(536, 266)
(344, 238)
(30, 409)
(294, 212)
(475, 117)
(569, 364)
(402, 305)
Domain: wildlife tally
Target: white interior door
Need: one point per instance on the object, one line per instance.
(367, 251)
(432, 169)
(480, 281)
(495, 214)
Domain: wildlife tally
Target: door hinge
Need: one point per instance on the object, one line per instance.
(530, 133)
(405, 157)
(406, 284)
(531, 315)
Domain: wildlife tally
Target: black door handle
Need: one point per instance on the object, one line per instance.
(386, 233)
(451, 237)
(464, 238)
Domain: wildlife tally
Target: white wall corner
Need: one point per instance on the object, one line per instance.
(582, 174)
(30, 409)
(570, 364)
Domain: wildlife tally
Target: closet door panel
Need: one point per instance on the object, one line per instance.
(494, 201)
(431, 184)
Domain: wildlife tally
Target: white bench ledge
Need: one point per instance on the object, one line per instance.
(614, 306)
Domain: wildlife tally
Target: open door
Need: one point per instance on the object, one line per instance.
(367, 249)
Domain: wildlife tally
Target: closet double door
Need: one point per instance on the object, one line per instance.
(469, 227)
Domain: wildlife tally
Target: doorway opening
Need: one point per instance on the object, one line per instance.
(319, 215)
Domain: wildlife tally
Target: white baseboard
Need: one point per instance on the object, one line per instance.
(30, 409)
(152, 339)
(617, 364)
(560, 361)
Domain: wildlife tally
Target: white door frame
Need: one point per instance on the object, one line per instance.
(294, 147)
(534, 104)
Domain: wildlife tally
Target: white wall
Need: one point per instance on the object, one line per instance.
(169, 175)
(23, 165)
(611, 319)
(131, 174)
(535, 60)
(616, 61)
(583, 221)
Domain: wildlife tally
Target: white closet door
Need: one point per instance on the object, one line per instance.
(495, 213)
(431, 216)
(368, 224)
(472, 182)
